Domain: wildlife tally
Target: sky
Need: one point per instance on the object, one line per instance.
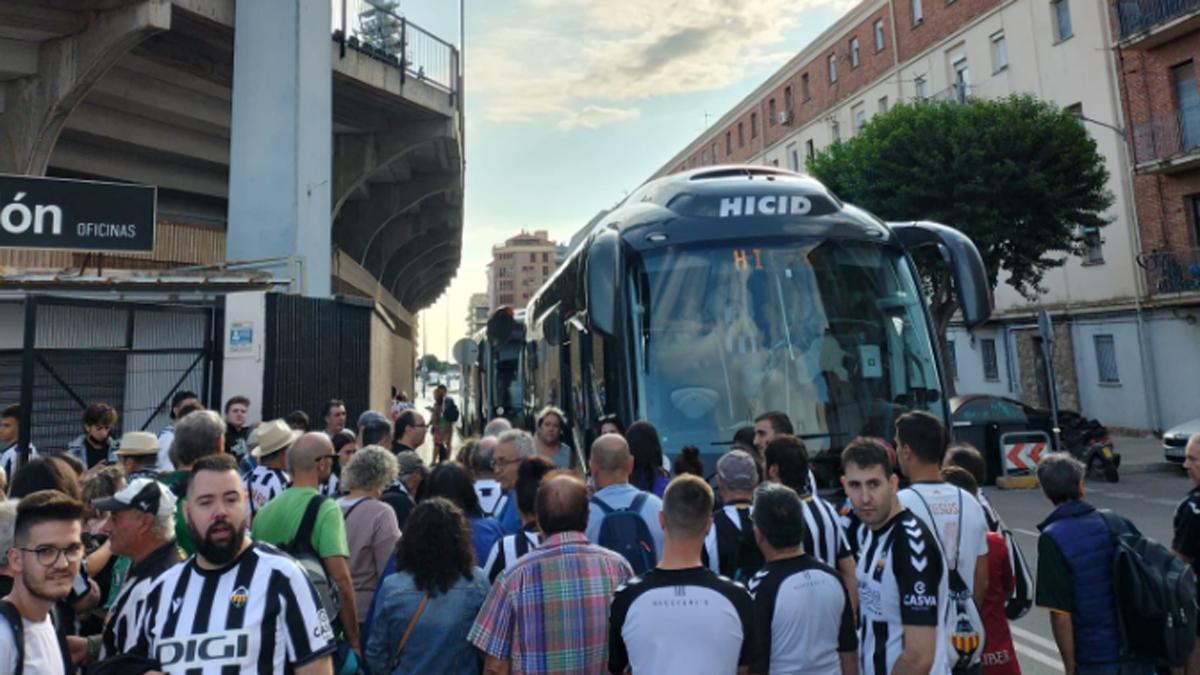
(571, 104)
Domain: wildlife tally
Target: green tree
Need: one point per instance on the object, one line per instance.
(1019, 176)
(380, 25)
(433, 364)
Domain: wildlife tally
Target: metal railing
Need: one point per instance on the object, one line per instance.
(377, 28)
(1166, 135)
(955, 93)
(1173, 271)
(1134, 16)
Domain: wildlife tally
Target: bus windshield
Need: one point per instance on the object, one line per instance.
(506, 382)
(831, 332)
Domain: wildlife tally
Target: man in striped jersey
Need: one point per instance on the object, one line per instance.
(902, 583)
(142, 527)
(729, 548)
(268, 478)
(511, 547)
(787, 463)
(236, 606)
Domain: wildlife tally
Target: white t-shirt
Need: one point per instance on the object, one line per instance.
(941, 501)
(42, 653)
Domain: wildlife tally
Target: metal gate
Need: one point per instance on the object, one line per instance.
(133, 356)
(316, 349)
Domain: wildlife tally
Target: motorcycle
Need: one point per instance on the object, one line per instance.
(1089, 441)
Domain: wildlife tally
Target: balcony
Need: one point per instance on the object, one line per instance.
(958, 92)
(1172, 272)
(1149, 23)
(1168, 142)
(377, 29)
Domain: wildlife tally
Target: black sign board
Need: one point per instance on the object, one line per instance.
(81, 215)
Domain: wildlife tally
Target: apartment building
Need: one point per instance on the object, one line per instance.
(519, 267)
(477, 313)
(1107, 327)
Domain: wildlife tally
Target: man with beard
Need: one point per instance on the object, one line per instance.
(43, 561)
(236, 605)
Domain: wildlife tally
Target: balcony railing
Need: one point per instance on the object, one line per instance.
(376, 28)
(1167, 135)
(1134, 16)
(1176, 271)
(955, 93)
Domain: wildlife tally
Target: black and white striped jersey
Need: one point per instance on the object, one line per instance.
(508, 549)
(824, 537)
(680, 621)
(257, 615)
(120, 631)
(802, 618)
(491, 496)
(330, 487)
(901, 582)
(262, 485)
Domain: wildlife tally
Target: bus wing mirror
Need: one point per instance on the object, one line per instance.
(501, 326)
(603, 281)
(966, 265)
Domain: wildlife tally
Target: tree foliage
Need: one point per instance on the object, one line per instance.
(380, 25)
(431, 363)
(1019, 176)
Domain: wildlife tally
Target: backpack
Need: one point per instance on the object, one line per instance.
(1155, 593)
(1021, 601)
(964, 625)
(747, 558)
(9, 613)
(302, 550)
(449, 410)
(624, 531)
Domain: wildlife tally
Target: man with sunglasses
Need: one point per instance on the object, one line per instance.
(44, 560)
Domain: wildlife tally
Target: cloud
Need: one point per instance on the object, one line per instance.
(588, 63)
(592, 117)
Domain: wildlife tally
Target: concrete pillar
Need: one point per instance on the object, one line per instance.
(282, 138)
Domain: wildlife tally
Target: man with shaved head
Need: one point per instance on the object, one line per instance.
(611, 465)
(279, 522)
(549, 611)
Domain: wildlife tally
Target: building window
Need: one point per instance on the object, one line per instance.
(809, 150)
(859, 114)
(883, 106)
(1093, 250)
(833, 67)
(854, 52)
(545, 257)
(532, 257)
(1062, 19)
(805, 94)
(728, 143)
(1106, 359)
(918, 13)
(837, 131)
(771, 113)
(1192, 202)
(545, 271)
(951, 359)
(962, 78)
(704, 156)
(753, 125)
(999, 52)
(787, 98)
(878, 35)
(991, 368)
(793, 159)
(922, 87)
(741, 135)
(714, 152)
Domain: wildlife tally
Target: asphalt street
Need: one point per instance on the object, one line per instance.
(1148, 499)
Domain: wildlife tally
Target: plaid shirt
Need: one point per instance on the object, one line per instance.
(549, 612)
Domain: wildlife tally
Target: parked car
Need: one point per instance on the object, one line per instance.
(983, 420)
(1175, 440)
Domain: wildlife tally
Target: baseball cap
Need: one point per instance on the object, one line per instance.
(143, 494)
(738, 470)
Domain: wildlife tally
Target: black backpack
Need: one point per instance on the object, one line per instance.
(624, 531)
(1155, 593)
(302, 550)
(449, 410)
(13, 617)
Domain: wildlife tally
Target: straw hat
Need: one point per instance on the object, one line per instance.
(272, 437)
(138, 444)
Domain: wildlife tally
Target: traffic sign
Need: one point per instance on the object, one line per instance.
(1023, 456)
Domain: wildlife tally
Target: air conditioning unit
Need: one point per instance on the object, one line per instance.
(785, 117)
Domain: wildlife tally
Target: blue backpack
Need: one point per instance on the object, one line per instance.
(624, 531)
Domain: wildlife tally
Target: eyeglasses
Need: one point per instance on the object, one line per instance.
(48, 555)
(501, 463)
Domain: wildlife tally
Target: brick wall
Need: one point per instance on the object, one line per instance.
(1147, 93)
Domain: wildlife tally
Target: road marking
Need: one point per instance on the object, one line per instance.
(1028, 533)
(1035, 639)
(1030, 653)
(1113, 494)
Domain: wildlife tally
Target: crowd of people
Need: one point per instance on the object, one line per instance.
(216, 547)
